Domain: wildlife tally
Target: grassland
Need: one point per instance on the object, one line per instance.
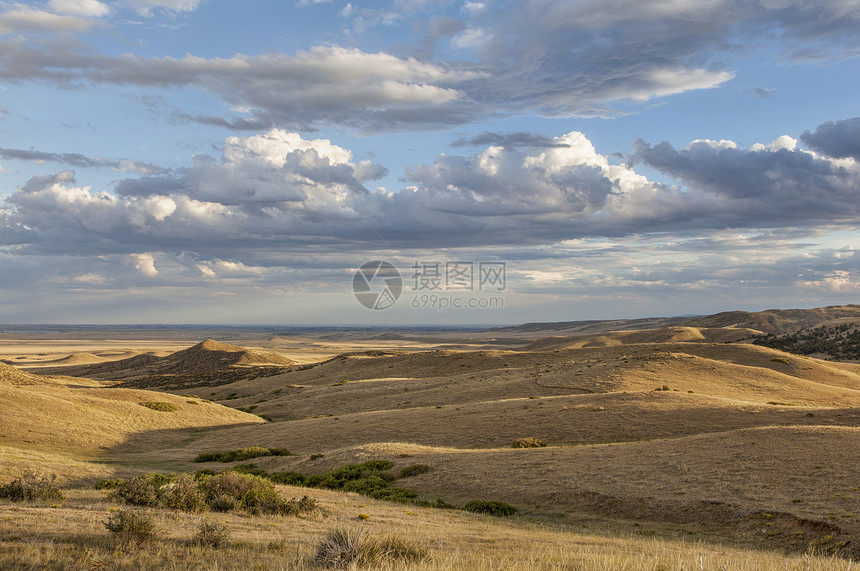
(675, 448)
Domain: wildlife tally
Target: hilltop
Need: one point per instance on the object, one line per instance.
(773, 321)
(206, 363)
(9, 375)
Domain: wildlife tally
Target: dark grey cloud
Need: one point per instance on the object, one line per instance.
(778, 183)
(74, 159)
(508, 140)
(762, 92)
(234, 124)
(840, 139)
(82, 161)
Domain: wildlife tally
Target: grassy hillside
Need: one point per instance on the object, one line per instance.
(667, 447)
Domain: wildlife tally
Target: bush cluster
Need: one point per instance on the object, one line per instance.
(30, 487)
(490, 507)
(841, 342)
(241, 454)
(220, 492)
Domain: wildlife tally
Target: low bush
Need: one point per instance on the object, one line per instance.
(107, 484)
(257, 495)
(212, 533)
(490, 507)
(528, 443)
(129, 526)
(138, 491)
(223, 504)
(288, 478)
(183, 494)
(241, 454)
(414, 470)
(160, 406)
(30, 487)
(231, 484)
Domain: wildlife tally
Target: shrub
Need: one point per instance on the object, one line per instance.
(780, 360)
(223, 504)
(256, 494)
(212, 533)
(288, 478)
(231, 484)
(349, 548)
(374, 465)
(30, 487)
(131, 526)
(160, 406)
(252, 469)
(107, 484)
(183, 494)
(528, 443)
(241, 454)
(139, 491)
(262, 497)
(414, 470)
(490, 507)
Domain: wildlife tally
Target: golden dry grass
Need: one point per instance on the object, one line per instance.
(741, 445)
(74, 537)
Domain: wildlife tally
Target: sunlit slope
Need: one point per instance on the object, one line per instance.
(53, 418)
(740, 374)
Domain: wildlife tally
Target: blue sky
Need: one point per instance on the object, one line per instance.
(205, 161)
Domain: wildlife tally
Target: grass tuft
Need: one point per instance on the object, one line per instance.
(349, 548)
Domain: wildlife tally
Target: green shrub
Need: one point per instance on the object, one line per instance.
(183, 494)
(223, 503)
(30, 487)
(262, 497)
(257, 495)
(107, 484)
(252, 469)
(160, 406)
(129, 526)
(528, 443)
(231, 484)
(780, 360)
(138, 491)
(288, 478)
(490, 507)
(241, 454)
(414, 470)
(212, 533)
(350, 548)
(376, 465)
